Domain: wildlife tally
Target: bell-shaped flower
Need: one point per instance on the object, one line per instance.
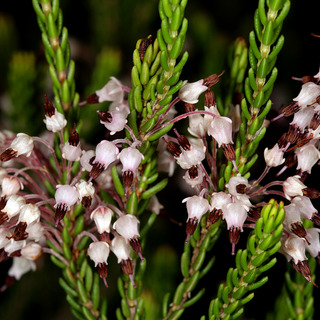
(154, 205)
(86, 158)
(221, 130)
(235, 214)
(14, 245)
(274, 156)
(35, 232)
(306, 208)
(12, 208)
(238, 185)
(123, 107)
(190, 92)
(112, 91)
(54, 120)
(130, 159)
(307, 156)
(114, 121)
(22, 144)
(219, 200)
(127, 227)
(295, 248)
(308, 94)
(86, 192)
(193, 155)
(293, 187)
(102, 218)
(194, 176)
(302, 118)
(292, 221)
(31, 251)
(197, 206)
(20, 266)
(99, 252)
(10, 185)
(314, 247)
(121, 248)
(5, 236)
(65, 196)
(106, 153)
(71, 150)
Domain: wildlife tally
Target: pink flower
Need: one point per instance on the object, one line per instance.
(274, 156)
(221, 130)
(308, 94)
(112, 91)
(102, 218)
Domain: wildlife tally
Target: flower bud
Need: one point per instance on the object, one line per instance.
(10, 185)
(86, 192)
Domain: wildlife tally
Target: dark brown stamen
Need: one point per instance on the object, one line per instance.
(209, 99)
(315, 121)
(74, 137)
(214, 216)
(3, 201)
(106, 237)
(191, 226)
(291, 160)
(3, 217)
(189, 107)
(86, 201)
(315, 218)
(105, 116)
(293, 134)
(212, 80)
(144, 44)
(127, 178)
(290, 109)
(283, 141)
(311, 193)
(241, 188)
(48, 107)
(173, 148)
(228, 151)
(102, 270)
(92, 99)
(183, 141)
(298, 229)
(8, 155)
(254, 213)
(193, 172)
(61, 210)
(96, 170)
(136, 246)
(126, 266)
(19, 232)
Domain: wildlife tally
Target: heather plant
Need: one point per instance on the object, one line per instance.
(91, 199)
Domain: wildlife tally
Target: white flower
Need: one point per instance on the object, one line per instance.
(21, 266)
(85, 159)
(56, 122)
(313, 237)
(102, 218)
(35, 232)
(13, 206)
(66, 195)
(292, 215)
(99, 252)
(194, 181)
(235, 215)
(154, 205)
(219, 200)
(221, 130)
(130, 159)
(302, 118)
(116, 122)
(112, 91)
(305, 206)
(196, 207)
(127, 226)
(31, 251)
(10, 185)
(70, 152)
(294, 247)
(86, 192)
(308, 94)
(193, 156)
(4, 235)
(3, 174)
(106, 153)
(22, 144)
(307, 156)
(166, 163)
(120, 106)
(293, 187)
(190, 92)
(14, 245)
(121, 248)
(274, 156)
(29, 213)
(237, 185)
